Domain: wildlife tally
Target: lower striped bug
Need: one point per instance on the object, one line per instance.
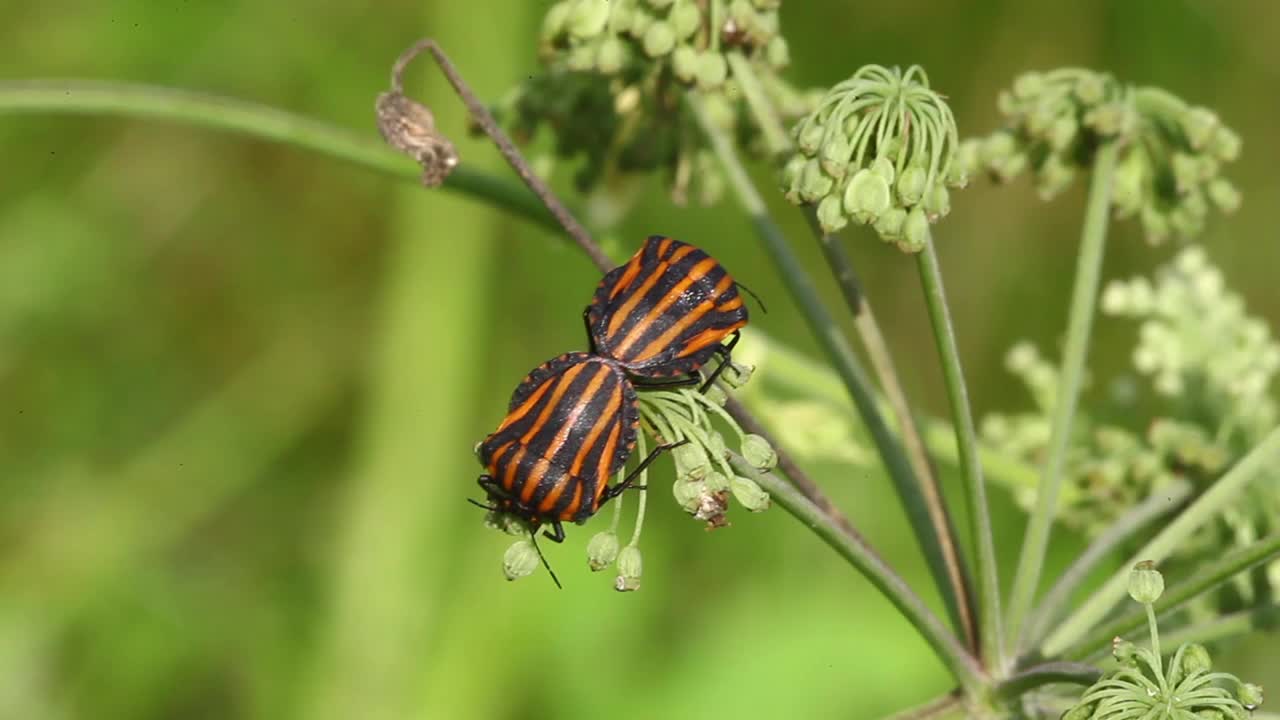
(666, 312)
(570, 426)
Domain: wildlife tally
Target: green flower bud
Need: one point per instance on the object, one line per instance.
(790, 175)
(688, 493)
(1225, 144)
(937, 202)
(587, 18)
(814, 183)
(1053, 177)
(777, 54)
(1125, 652)
(1198, 124)
(867, 196)
(834, 155)
(1146, 584)
(581, 58)
(759, 453)
(915, 231)
(831, 215)
(889, 225)
(684, 63)
(997, 148)
(553, 23)
(716, 482)
(602, 550)
(1249, 695)
(640, 23)
(685, 19)
(1107, 119)
(1010, 167)
(1155, 224)
(1028, 85)
(520, 560)
(883, 167)
(716, 396)
(810, 138)
(659, 39)
(716, 446)
(691, 461)
(630, 564)
(737, 374)
(1080, 712)
(912, 184)
(1224, 195)
(610, 56)
(1186, 171)
(622, 18)
(1195, 658)
(1090, 89)
(750, 495)
(712, 70)
(1130, 180)
(1062, 132)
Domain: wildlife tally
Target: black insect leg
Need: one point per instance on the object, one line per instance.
(723, 351)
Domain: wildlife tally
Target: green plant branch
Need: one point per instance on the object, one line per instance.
(89, 97)
(1048, 610)
(1054, 672)
(963, 667)
(1196, 515)
(928, 493)
(940, 706)
(1234, 624)
(834, 343)
(1202, 580)
(966, 441)
(775, 135)
(1084, 296)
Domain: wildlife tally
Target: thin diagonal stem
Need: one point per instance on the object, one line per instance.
(1188, 521)
(1053, 672)
(91, 97)
(1160, 503)
(861, 555)
(967, 445)
(1079, 322)
(950, 573)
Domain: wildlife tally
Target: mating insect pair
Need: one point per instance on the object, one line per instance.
(572, 422)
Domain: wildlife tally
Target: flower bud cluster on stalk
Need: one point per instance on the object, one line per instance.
(1145, 686)
(1168, 173)
(1209, 370)
(878, 150)
(614, 78)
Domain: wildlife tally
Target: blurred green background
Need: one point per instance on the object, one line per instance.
(240, 384)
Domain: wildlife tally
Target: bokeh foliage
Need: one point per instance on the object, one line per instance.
(239, 385)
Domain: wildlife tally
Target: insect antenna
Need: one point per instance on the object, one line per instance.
(754, 296)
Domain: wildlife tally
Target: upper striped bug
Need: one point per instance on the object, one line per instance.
(570, 426)
(666, 311)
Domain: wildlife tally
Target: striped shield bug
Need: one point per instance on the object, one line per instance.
(666, 311)
(570, 426)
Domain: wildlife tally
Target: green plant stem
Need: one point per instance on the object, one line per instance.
(1203, 580)
(1054, 672)
(837, 348)
(963, 667)
(89, 97)
(771, 128)
(1234, 624)
(941, 706)
(1048, 610)
(929, 493)
(967, 446)
(1084, 297)
(1196, 515)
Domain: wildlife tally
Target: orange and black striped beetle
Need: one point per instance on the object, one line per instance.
(665, 312)
(570, 426)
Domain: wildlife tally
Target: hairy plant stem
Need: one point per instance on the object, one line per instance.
(928, 494)
(1201, 581)
(834, 343)
(963, 666)
(1084, 297)
(90, 97)
(1163, 501)
(935, 296)
(1209, 504)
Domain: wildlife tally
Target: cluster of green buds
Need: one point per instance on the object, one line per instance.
(879, 150)
(1144, 686)
(616, 71)
(706, 476)
(1169, 158)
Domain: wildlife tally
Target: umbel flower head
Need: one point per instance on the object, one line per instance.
(1170, 155)
(879, 151)
(616, 71)
(1144, 687)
